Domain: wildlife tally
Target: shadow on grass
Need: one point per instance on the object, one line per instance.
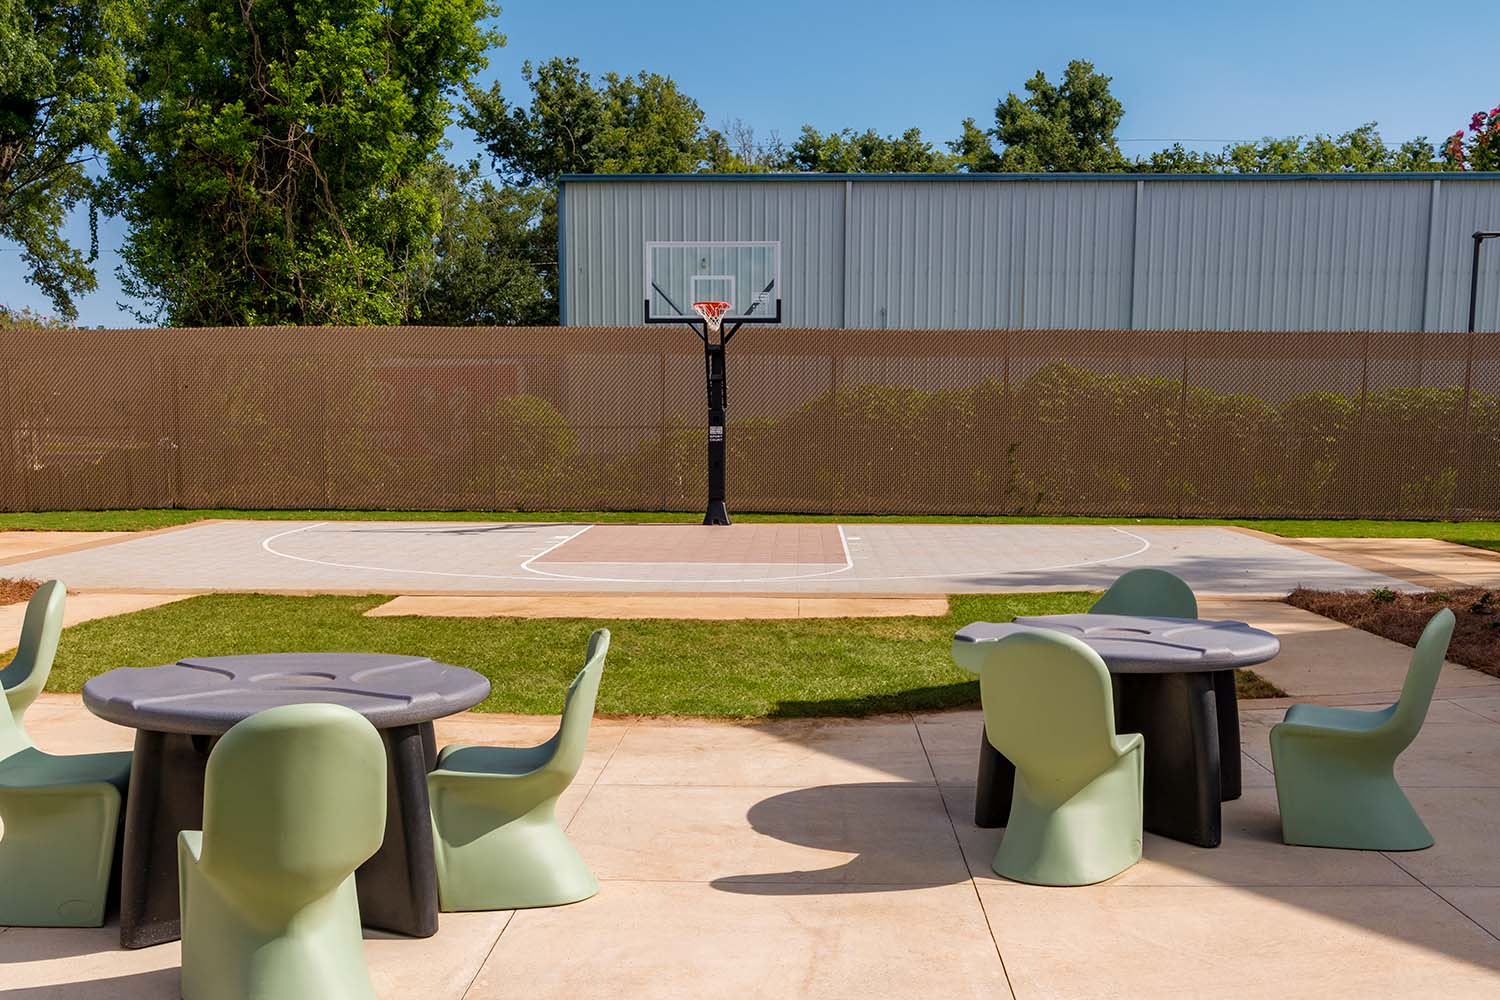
(963, 694)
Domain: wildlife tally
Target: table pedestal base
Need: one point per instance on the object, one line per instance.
(1191, 726)
(397, 886)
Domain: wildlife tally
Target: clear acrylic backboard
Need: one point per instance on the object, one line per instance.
(746, 274)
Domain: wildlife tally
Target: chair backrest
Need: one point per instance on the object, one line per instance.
(26, 675)
(1148, 591)
(578, 710)
(1049, 707)
(294, 800)
(1410, 712)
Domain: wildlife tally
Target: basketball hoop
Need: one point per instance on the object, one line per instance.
(712, 313)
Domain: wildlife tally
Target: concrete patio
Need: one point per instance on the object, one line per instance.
(838, 859)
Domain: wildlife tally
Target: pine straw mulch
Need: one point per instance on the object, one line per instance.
(16, 591)
(1399, 616)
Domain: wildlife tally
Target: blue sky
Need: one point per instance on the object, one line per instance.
(1199, 73)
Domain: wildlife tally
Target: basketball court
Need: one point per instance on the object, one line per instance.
(776, 559)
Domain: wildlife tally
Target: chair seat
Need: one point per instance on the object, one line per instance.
(512, 761)
(34, 769)
(1347, 720)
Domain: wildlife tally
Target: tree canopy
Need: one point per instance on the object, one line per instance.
(274, 171)
(62, 86)
(1360, 150)
(850, 152)
(1066, 126)
(624, 124)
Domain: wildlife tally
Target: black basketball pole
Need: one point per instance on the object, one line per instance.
(1479, 239)
(714, 342)
(713, 366)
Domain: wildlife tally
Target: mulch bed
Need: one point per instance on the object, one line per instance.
(16, 591)
(1398, 616)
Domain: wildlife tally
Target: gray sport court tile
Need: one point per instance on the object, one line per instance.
(414, 558)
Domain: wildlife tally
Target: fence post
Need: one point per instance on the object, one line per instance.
(1466, 472)
(1182, 450)
(1362, 446)
(176, 397)
(830, 446)
(11, 490)
(663, 444)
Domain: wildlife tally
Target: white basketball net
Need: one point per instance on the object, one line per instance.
(712, 313)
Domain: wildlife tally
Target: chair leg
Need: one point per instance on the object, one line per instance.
(1093, 836)
(56, 855)
(490, 860)
(1333, 793)
(236, 950)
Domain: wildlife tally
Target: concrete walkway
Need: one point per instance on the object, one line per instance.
(837, 859)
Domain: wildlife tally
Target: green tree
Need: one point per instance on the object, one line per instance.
(495, 255)
(1360, 150)
(850, 152)
(638, 124)
(1068, 126)
(275, 170)
(63, 83)
(974, 149)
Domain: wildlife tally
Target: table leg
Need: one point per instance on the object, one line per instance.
(1226, 702)
(398, 885)
(997, 782)
(166, 795)
(1177, 715)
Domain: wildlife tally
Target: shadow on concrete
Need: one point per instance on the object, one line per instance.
(848, 819)
(477, 529)
(163, 983)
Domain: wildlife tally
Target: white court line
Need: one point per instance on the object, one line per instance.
(848, 564)
(266, 544)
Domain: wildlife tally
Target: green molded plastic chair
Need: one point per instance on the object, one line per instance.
(1075, 815)
(294, 801)
(26, 674)
(499, 845)
(1148, 592)
(1335, 767)
(60, 817)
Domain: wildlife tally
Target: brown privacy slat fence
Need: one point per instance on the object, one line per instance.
(844, 421)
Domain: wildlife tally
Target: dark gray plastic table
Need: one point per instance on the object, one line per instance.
(1173, 682)
(180, 710)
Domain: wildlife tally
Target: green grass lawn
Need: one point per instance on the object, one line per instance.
(1483, 534)
(736, 669)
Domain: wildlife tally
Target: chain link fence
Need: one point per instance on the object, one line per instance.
(837, 421)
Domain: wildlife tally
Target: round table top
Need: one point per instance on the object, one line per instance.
(1132, 644)
(207, 695)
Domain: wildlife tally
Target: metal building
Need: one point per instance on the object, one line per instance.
(1024, 251)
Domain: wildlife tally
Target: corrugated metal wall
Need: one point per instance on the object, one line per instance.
(1109, 252)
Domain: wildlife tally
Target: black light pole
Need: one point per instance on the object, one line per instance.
(1479, 239)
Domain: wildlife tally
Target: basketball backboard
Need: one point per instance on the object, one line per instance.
(746, 274)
